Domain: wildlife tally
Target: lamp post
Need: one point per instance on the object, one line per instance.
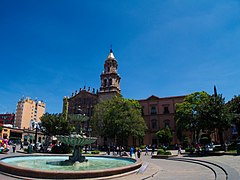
(36, 125)
(89, 134)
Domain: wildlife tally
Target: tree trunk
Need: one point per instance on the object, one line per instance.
(220, 134)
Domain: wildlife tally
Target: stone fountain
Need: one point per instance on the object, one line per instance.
(65, 167)
(77, 139)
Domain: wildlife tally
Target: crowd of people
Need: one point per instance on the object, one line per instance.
(133, 151)
(4, 146)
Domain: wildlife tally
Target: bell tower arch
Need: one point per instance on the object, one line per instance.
(110, 79)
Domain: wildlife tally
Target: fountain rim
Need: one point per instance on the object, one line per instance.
(33, 173)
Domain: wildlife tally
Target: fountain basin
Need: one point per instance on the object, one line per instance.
(76, 139)
(18, 165)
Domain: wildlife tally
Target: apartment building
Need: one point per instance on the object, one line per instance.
(28, 111)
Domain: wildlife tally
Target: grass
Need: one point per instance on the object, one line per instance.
(232, 151)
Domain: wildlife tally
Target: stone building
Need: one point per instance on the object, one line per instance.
(7, 119)
(83, 101)
(159, 113)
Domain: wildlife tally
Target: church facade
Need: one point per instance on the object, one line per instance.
(84, 100)
(157, 112)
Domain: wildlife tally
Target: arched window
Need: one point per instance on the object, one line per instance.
(105, 82)
(153, 110)
(154, 124)
(167, 123)
(110, 82)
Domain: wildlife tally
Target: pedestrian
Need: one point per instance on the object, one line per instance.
(176, 146)
(123, 151)
(198, 148)
(225, 147)
(108, 150)
(131, 151)
(146, 150)
(179, 149)
(21, 145)
(139, 153)
(120, 151)
(14, 147)
(117, 149)
(153, 149)
(114, 150)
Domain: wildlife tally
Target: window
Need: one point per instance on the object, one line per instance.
(154, 124)
(167, 123)
(142, 110)
(153, 110)
(105, 82)
(110, 82)
(166, 110)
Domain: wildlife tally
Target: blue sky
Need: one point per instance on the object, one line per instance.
(48, 49)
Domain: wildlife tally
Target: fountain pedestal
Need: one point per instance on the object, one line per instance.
(77, 141)
(77, 155)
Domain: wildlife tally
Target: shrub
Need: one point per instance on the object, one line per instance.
(142, 146)
(167, 153)
(160, 152)
(191, 149)
(232, 146)
(218, 148)
(95, 152)
(163, 152)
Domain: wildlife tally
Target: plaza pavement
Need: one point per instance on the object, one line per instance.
(157, 169)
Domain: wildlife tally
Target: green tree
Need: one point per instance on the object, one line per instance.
(187, 114)
(215, 115)
(118, 118)
(165, 135)
(234, 109)
(55, 124)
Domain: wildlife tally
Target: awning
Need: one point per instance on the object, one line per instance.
(16, 130)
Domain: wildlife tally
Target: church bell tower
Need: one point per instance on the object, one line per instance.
(110, 79)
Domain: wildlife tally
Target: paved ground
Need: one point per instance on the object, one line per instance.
(155, 169)
(168, 169)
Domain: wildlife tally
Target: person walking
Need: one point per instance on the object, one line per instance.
(153, 149)
(21, 145)
(138, 152)
(179, 149)
(146, 150)
(14, 147)
(117, 150)
(113, 150)
(131, 151)
(108, 150)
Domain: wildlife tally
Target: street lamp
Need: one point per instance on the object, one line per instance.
(36, 125)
